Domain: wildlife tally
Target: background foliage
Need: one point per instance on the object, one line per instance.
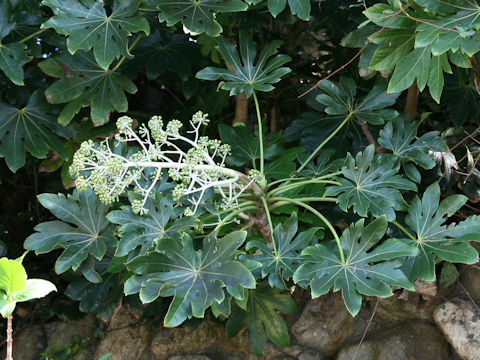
(369, 180)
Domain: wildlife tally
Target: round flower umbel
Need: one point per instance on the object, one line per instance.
(160, 146)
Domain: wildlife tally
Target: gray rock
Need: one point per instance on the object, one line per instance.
(167, 343)
(190, 357)
(324, 324)
(28, 344)
(125, 338)
(470, 280)
(412, 340)
(460, 322)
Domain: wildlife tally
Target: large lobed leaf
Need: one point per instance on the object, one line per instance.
(371, 185)
(280, 265)
(434, 238)
(301, 8)
(145, 231)
(88, 26)
(263, 320)
(84, 234)
(195, 279)
(247, 76)
(197, 16)
(364, 270)
(30, 128)
(83, 83)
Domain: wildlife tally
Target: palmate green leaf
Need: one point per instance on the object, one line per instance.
(83, 83)
(12, 55)
(247, 76)
(301, 8)
(399, 136)
(444, 6)
(145, 231)
(195, 279)
(29, 128)
(341, 100)
(88, 26)
(280, 265)
(364, 272)
(263, 319)
(427, 218)
(161, 52)
(197, 16)
(371, 185)
(88, 238)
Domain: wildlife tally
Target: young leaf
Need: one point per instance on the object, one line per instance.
(263, 318)
(280, 265)
(87, 25)
(90, 237)
(31, 127)
(83, 83)
(247, 76)
(12, 55)
(341, 100)
(399, 136)
(371, 185)
(12, 277)
(427, 218)
(34, 289)
(364, 271)
(194, 278)
(145, 231)
(197, 16)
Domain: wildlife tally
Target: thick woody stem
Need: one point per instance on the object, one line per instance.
(9, 338)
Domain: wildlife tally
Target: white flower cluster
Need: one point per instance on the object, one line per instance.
(160, 146)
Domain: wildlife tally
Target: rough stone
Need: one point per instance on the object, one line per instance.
(170, 342)
(469, 279)
(28, 344)
(412, 340)
(460, 322)
(60, 333)
(302, 353)
(324, 324)
(190, 357)
(125, 338)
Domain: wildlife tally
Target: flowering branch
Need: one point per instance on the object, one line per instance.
(196, 170)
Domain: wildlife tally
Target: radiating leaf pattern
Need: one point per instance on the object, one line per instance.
(367, 269)
(248, 76)
(434, 238)
(371, 185)
(84, 234)
(88, 26)
(195, 279)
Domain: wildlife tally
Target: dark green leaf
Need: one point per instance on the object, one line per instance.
(247, 76)
(364, 270)
(427, 218)
(88, 239)
(245, 147)
(341, 100)
(371, 185)
(280, 265)
(87, 25)
(145, 231)
(196, 15)
(399, 136)
(194, 278)
(30, 128)
(263, 318)
(84, 83)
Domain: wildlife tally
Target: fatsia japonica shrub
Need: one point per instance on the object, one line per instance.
(353, 186)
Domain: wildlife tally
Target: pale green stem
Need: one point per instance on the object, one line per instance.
(321, 217)
(306, 199)
(232, 216)
(401, 227)
(129, 49)
(270, 224)
(286, 187)
(260, 132)
(285, 180)
(36, 33)
(312, 155)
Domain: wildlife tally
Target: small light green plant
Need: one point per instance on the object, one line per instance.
(15, 287)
